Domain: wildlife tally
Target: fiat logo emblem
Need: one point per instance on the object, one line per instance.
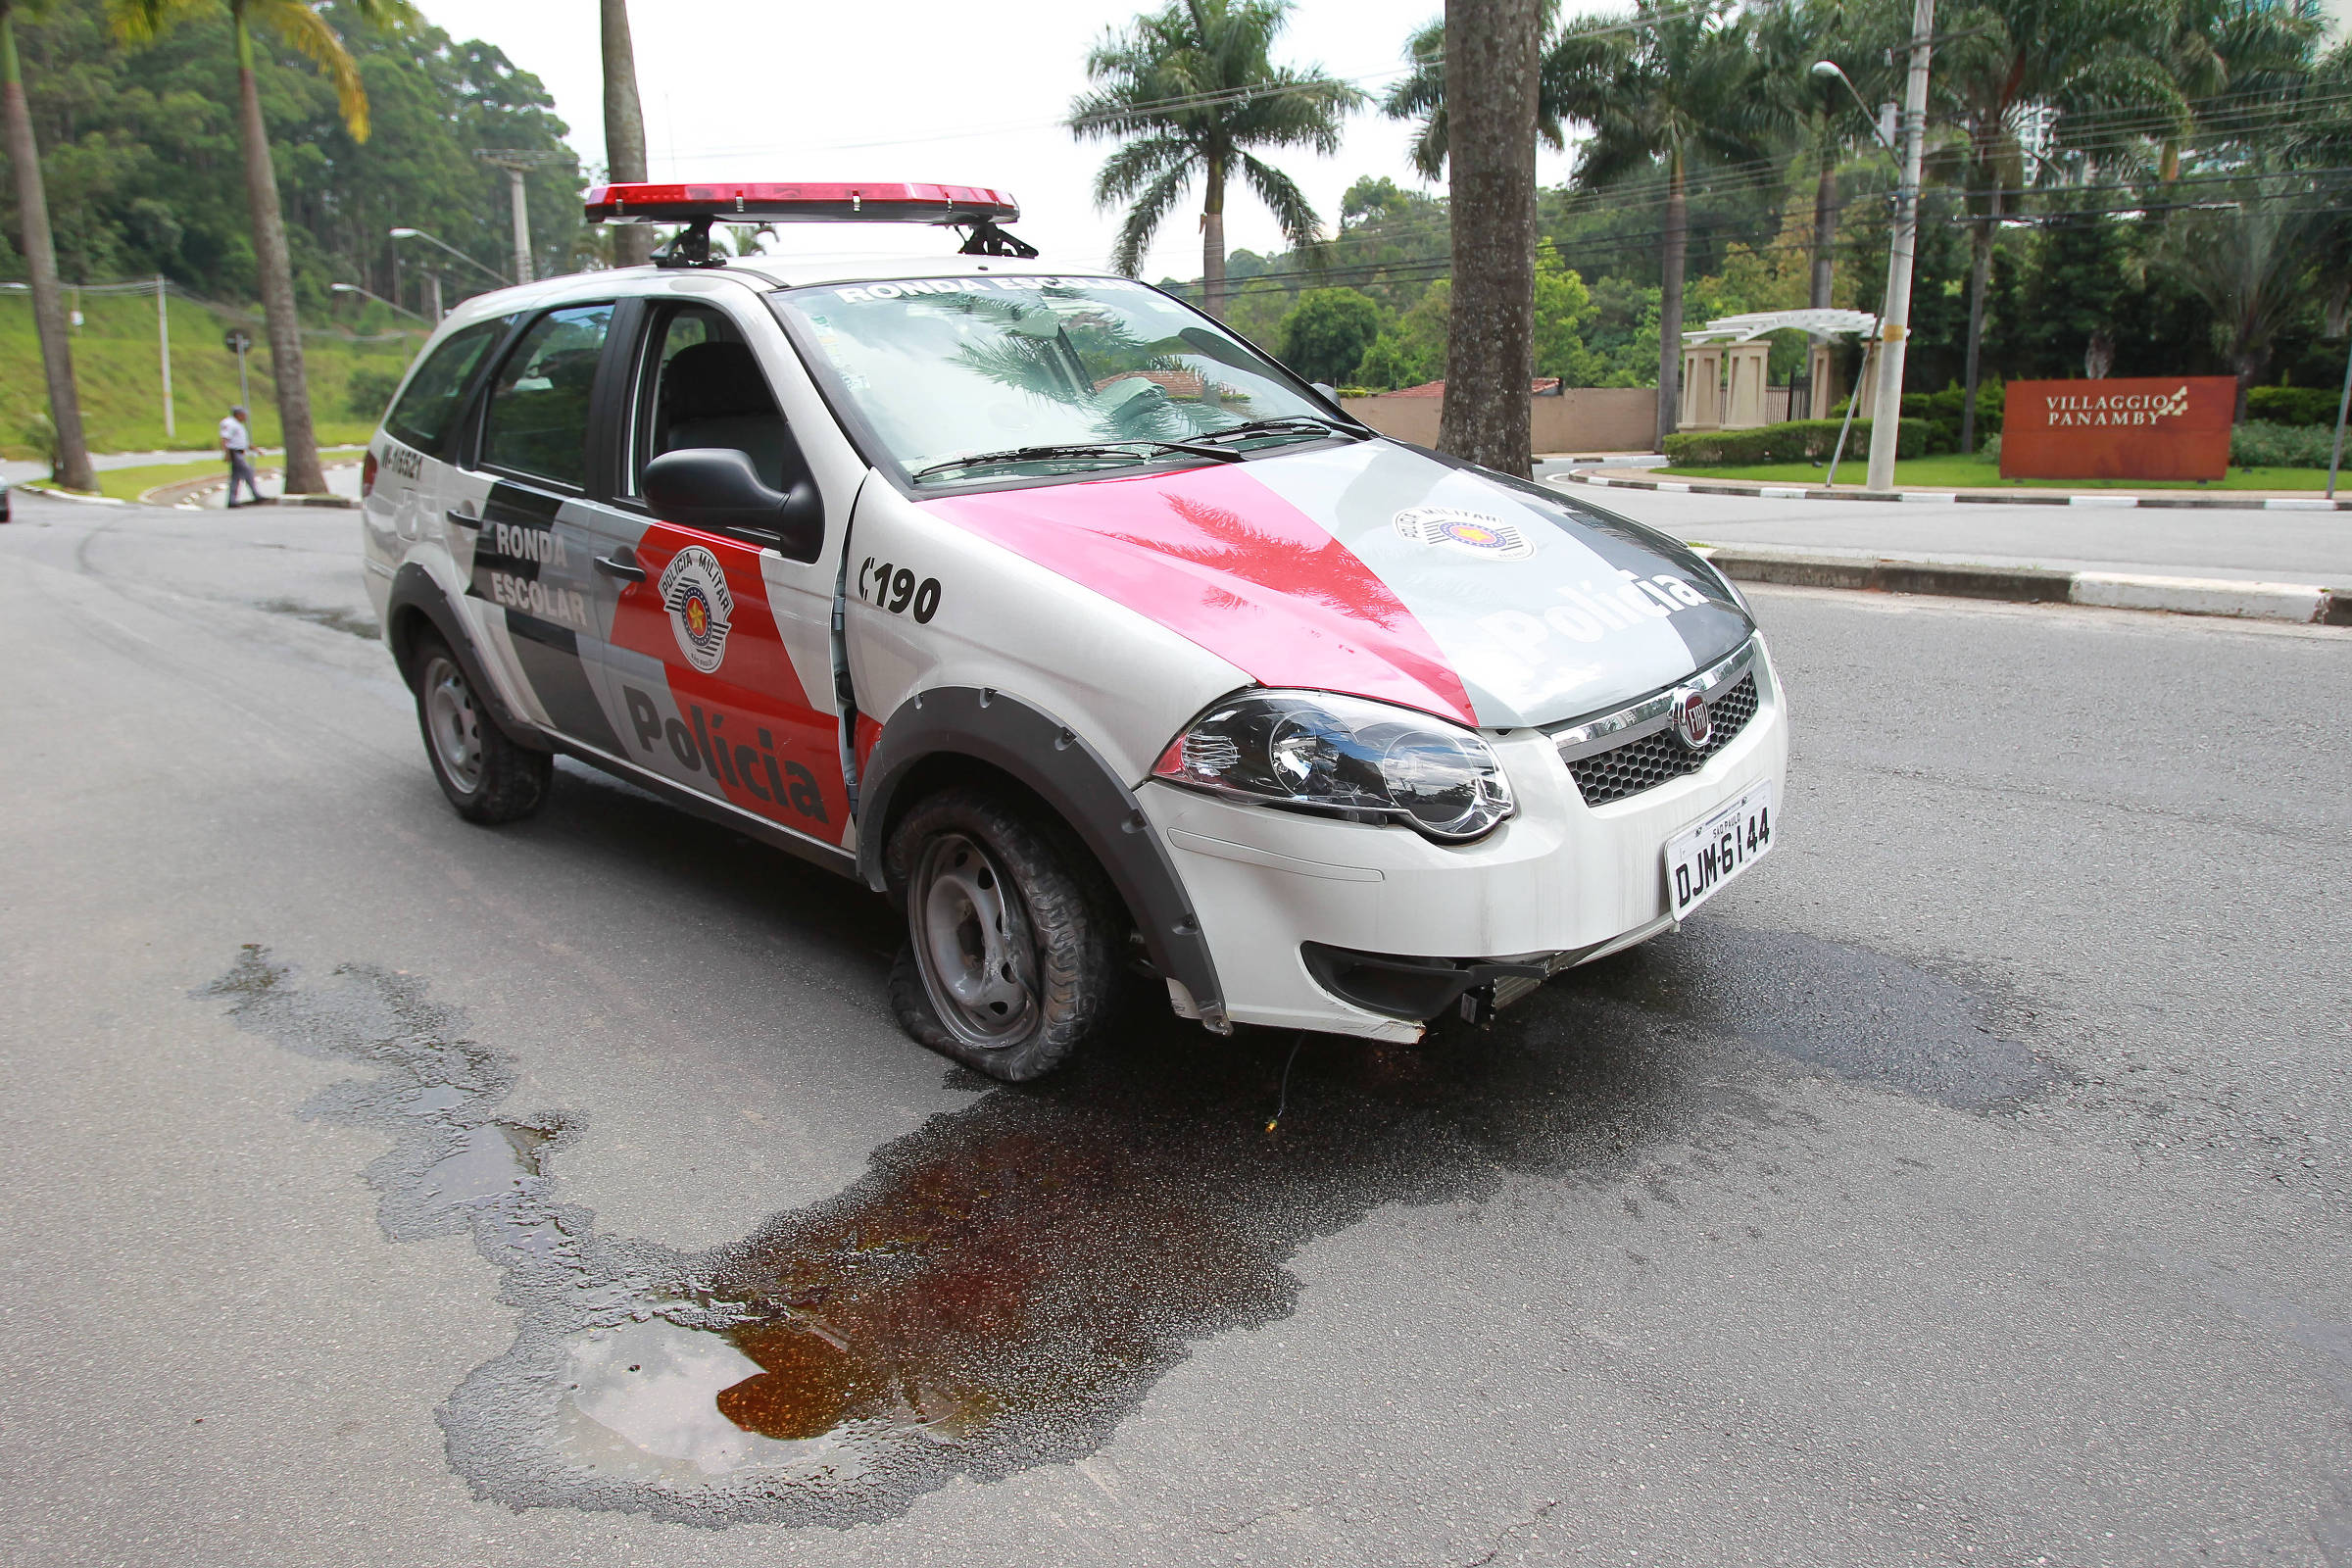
(1692, 723)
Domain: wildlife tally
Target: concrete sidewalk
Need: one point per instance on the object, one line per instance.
(2304, 603)
(2249, 545)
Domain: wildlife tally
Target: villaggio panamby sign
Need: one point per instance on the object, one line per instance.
(2176, 427)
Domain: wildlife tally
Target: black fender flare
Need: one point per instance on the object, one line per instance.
(1071, 777)
(414, 592)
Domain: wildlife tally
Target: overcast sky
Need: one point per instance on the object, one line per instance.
(938, 90)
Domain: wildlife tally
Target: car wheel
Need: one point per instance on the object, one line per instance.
(1009, 965)
(486, 776)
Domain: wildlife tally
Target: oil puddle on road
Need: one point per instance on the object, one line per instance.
(1009, 1281)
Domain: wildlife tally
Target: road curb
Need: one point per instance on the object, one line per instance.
(2306, 603)
(2021, 498)
(48, 493)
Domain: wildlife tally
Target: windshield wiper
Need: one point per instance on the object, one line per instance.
(1076, 449)
(1304, 424)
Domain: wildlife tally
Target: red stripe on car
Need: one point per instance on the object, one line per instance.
(1219, 559)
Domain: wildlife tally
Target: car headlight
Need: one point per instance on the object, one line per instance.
(1344, 756)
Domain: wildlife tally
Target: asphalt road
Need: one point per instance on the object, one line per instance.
(2302, 547)
(1965, 1185)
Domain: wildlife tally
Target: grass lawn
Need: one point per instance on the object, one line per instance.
(128, 484)
(115, 366)
(1958, 472)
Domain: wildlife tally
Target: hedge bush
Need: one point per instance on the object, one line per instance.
(2292, 405)
(1941, 411)
(1796, 441)
(2261, 444)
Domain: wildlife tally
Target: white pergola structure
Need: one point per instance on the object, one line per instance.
(1724, 365)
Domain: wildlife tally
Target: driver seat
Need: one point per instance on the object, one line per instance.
(715, 397)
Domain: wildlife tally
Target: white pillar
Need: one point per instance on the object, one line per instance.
(1747, 364)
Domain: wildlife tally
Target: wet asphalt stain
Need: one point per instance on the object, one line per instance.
(342, 620)
(1010, 1280)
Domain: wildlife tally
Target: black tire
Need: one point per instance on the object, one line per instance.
(1015, 1000)
(486, 776)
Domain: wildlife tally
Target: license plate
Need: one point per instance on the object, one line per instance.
(1700, 860)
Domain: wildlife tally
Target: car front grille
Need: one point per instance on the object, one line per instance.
(1651, 760)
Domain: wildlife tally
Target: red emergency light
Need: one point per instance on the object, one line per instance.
(645, 203)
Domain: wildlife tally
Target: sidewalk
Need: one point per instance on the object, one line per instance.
(1579, 473)
(2241, 543)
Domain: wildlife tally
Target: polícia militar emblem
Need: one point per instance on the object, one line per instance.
(1471, 532)
(694, 590)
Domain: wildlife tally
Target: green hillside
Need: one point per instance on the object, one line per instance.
(117, 367)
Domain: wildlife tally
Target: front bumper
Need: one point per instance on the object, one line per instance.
(1559, 878)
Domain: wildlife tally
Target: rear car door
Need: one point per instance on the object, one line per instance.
(718, 667)
(540, 602)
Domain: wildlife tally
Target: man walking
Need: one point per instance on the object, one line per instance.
(236, 443)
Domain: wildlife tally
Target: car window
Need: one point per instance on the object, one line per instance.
(700, 385)
(428, 405)
(944, 368)
(537, 422)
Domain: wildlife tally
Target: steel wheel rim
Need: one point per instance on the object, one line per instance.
(451, 723)
(972, 944)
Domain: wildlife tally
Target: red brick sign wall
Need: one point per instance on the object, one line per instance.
(2176, 427)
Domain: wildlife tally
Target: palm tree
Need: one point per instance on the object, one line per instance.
(2005, 58)
(300, 25)
(1494, 51)
(624, 128)
(1421, 97)
(1190, 90)
(72, 466)
(1790, 35)
(2251, 266)
(1665, 85)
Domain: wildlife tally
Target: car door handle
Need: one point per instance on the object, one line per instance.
(620, 564)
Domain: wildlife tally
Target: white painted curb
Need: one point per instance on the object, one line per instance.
(2201, 596)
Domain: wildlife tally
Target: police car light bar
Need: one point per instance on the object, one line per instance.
(643, 203)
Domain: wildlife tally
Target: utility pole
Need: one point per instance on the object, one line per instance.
(1885, 417)
(163, 348)
(238, 340)
(516, 164)
(433, 281)
(1894, 332)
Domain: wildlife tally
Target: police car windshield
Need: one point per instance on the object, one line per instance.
(1022, 373)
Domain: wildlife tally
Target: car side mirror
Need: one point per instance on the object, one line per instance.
(717, 489)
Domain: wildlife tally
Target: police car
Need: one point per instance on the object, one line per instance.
(1048, 608)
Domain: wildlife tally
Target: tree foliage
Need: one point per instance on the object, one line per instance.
(1192, 92)
(146, 140)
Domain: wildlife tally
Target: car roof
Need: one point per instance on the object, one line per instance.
(760, 273)
(798, 271)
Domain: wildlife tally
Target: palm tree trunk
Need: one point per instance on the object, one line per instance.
(1212, 241)
(303, 476)
(1492, 49)
(1675, 247)
(624, 128)
(72, 466)
(1980, 279)
(1825, 223)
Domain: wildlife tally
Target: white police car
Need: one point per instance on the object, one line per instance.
(1046, 607)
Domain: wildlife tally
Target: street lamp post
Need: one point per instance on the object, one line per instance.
(354, 288)
(496, 276)
(1882, 136)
